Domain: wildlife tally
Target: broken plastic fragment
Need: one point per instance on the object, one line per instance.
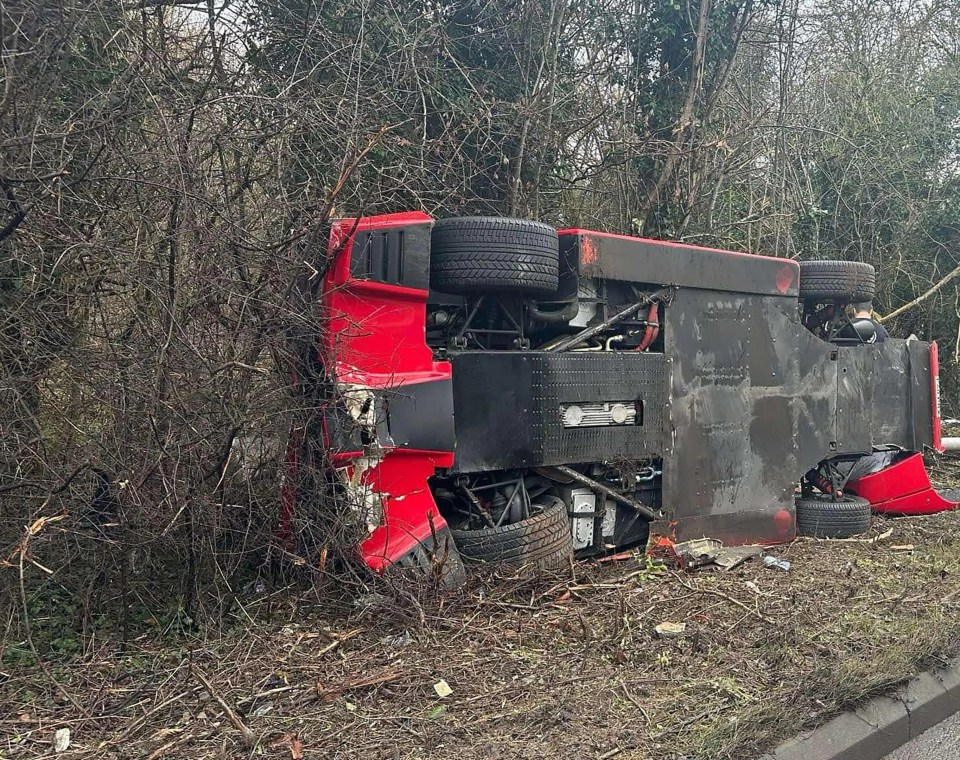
(779, 564)
(260, 710)
(668, 630)
(442, 688)
(697, 553)
(61, 740)
(399, 640)
(731, 557)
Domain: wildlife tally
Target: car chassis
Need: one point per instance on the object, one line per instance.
(654, 388)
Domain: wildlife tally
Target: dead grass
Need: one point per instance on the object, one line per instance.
(538, 668)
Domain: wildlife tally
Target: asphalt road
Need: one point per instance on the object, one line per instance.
(942, 742)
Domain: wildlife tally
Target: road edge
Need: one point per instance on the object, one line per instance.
(882, 724)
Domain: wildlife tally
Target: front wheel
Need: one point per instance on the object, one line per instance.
(543, 541)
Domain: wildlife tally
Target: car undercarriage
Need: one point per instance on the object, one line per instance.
(507, 392)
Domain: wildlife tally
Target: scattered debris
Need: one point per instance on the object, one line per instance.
(260, 710)
(399, 640)
(61, 740)
(329, 693)
(734, 556)
(709, 551)
(442, 688)
(779, 564)
(697, 553)
(882, 537)
(367, 602)
(668, 630)
(619, 557)
(902, 548)
(506, 664)
(292, 743)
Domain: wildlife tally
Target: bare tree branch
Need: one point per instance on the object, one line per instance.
(17, 214)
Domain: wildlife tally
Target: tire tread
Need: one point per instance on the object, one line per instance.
(474, 254)
(543, 541)
(837, 280)
(821, 517)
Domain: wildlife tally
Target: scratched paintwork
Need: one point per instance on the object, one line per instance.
(755, 400)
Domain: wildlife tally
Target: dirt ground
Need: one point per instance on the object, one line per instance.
(566, 666)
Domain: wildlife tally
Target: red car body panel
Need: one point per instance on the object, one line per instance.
(376, 339)
(902, 489)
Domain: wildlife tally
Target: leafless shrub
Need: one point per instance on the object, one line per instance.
(169, 169)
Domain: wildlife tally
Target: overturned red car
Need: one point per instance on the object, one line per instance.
(508, 392)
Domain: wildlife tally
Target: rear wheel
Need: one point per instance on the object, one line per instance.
(822, 517)
(543, 540)
(479, 253)
(844, 281)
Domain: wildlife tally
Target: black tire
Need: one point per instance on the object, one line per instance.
(543, 541)
(439, 558)
(837, 281)
(479, 253)
(821, 517)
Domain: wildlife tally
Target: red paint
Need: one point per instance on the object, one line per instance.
(783, 519)
(787, 277)
(902, 489)
(787, 274)
(374, 333)
(409, 509)
(935, 396)
(653, 328)
(588, 249)
(923, 503)
(793, 266)
(374, 336)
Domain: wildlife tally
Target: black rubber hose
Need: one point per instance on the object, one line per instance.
(565, 314)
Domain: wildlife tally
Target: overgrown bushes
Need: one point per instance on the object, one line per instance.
(169, 170)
